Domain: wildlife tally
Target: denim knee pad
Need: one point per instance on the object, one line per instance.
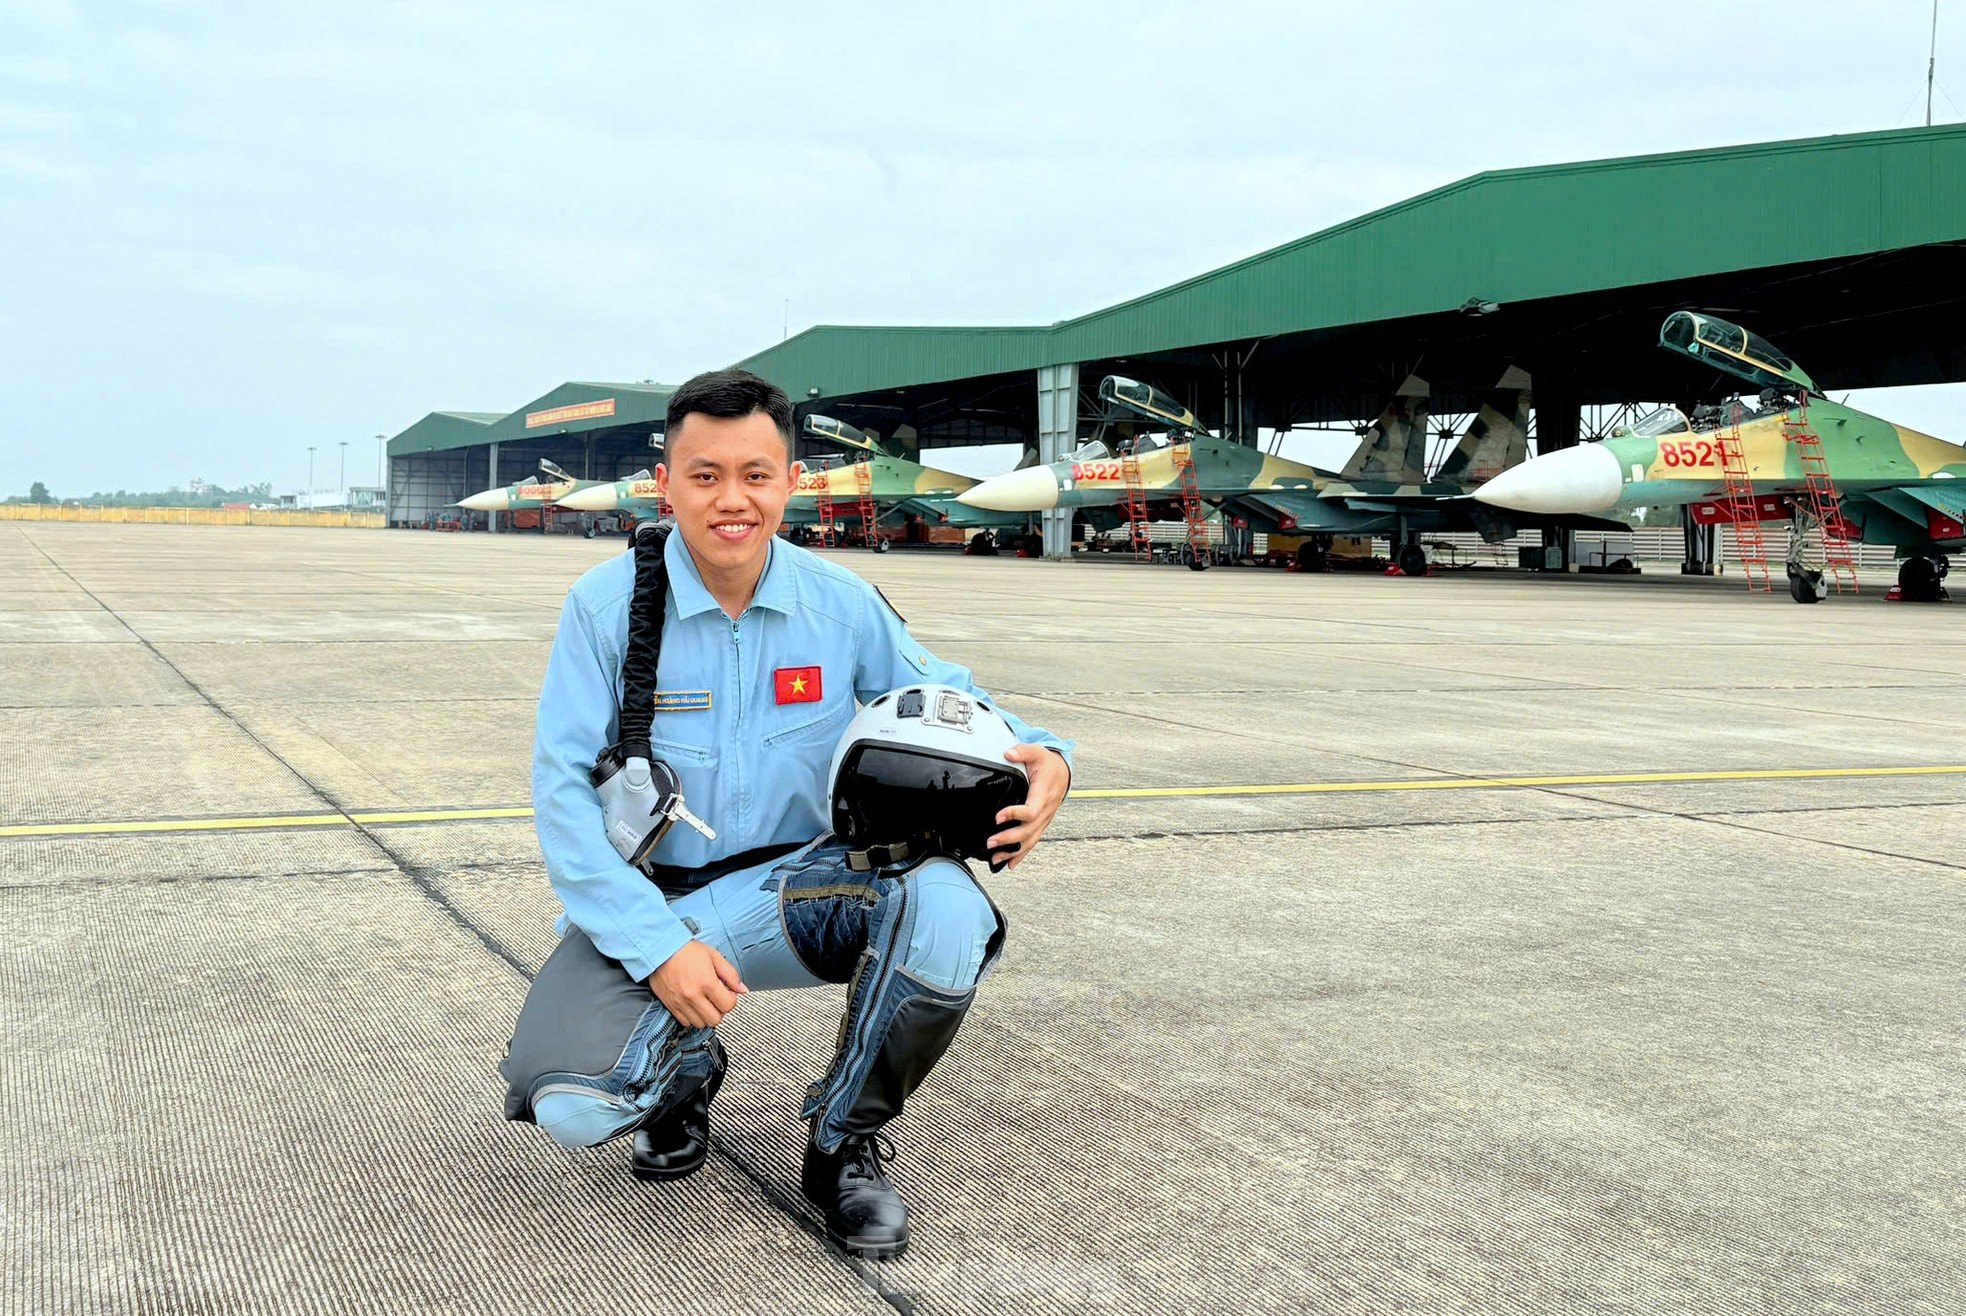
(926, 936)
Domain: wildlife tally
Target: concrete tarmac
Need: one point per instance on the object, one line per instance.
(1670, 1045)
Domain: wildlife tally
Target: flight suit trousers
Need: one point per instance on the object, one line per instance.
(594, 1054)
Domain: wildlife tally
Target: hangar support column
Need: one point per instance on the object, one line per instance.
(1559, 424)
(1058, 433)
(491, 518)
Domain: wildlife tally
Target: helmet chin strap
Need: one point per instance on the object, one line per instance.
(876, 857)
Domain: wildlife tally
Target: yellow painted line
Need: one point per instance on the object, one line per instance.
(1107, 793)
(174, 825)
(301, 820)
(440, 815)
(1512, 783)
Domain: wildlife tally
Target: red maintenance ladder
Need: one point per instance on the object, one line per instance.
(863, 479)
(1749, 546)
(1135, 506)
(828, 526)
(1824, 502)
(1192, 509)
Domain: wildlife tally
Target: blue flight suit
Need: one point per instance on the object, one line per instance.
(748, 712)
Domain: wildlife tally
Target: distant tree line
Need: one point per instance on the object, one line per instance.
(202, 495)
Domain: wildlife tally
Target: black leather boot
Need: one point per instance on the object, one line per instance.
(862, 1211)
(676, 1143)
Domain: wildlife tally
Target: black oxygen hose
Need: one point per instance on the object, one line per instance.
(638, 667)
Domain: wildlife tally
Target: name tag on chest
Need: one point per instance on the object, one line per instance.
(682, 701)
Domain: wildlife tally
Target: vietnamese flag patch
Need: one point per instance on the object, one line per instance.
(797, 685)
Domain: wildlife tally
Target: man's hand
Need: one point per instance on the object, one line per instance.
(698, 985)
(1050, 778)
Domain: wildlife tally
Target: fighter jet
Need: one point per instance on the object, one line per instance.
(1880, 483)
(527, 495)
(1383, 489)
(895, 483)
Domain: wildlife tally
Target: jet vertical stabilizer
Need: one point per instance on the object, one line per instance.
(1497, 439)
(1395, 448)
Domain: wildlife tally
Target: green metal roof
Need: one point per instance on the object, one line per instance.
(1505, 236)
(578, 406)
(572, 408)
(445, 429)
(1874, 220)
(840, 359)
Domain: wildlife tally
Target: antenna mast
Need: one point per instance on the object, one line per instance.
(1932, 63)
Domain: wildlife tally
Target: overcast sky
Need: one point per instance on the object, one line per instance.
(231, 231)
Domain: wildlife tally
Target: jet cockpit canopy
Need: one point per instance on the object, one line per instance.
(1146, 400)
(1666, 420)
(1733, 349)
(1092, 450)
(838, 431)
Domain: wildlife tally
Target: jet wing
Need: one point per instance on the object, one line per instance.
(1929, 506)
(1441, 512)
(1945, 499)
(943, 509)
(1302, 511)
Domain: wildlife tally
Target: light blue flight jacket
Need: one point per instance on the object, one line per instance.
(752, 767)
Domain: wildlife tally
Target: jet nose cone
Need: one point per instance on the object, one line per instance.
(594, 498)
(1578, 480)
(491, 500)
(1030, 490)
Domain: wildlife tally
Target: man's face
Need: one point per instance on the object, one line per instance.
(728, 479)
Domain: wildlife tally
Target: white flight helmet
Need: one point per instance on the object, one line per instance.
(921, 771)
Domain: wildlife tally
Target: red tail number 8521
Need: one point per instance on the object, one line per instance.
(1689, 453)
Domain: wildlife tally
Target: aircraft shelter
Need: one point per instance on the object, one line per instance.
(596, 431)
(1848, 251)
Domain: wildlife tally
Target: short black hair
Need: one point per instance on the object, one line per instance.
(731, 394)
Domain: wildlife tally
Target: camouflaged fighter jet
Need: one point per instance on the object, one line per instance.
(896, 484)
(1383, 489)
(528, 495)
(1896, 485)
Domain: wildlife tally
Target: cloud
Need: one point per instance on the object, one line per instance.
(380, 210)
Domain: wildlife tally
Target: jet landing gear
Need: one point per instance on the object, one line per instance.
(1919, 577)
(1411, 559)
(1806, 586)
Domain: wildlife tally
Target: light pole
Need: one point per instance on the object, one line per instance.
(310, 476)
(344, 472)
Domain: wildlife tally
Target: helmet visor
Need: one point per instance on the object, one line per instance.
(891, 794)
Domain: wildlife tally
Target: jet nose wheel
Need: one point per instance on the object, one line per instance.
(1806, 586)
(1412, 560)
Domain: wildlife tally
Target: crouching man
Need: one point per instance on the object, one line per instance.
(722, 665)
